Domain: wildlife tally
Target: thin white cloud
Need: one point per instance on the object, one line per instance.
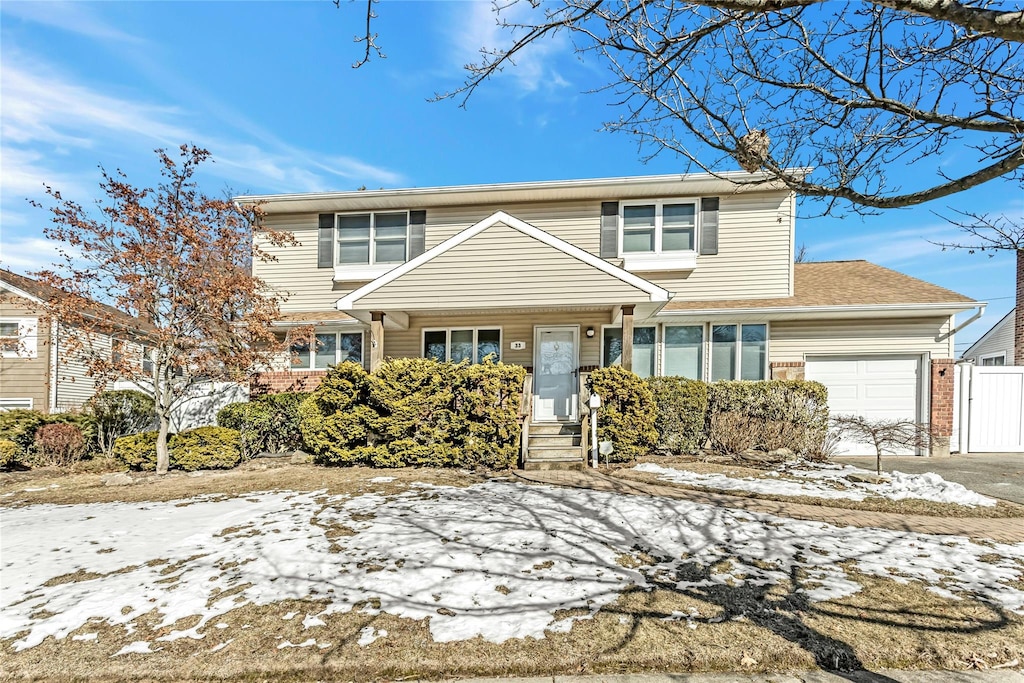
(72, 17)
(28, 254)
(477, 25)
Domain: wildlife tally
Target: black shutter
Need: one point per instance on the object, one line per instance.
(417, 233)
(709, 226)
(609, 229)
(325, 243)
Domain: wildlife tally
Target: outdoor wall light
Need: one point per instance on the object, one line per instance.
(590, 332)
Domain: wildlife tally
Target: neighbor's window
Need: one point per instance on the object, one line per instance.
(999, 359)
(739, 352)
(18, 337)
(371, 238)
(644, 339)
(330, 349)
(684, 345)
(9, 337)
(462, 344)
(663, 226)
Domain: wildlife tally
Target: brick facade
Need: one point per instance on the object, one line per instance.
(941, 404)
(287, 380)
(788, 370)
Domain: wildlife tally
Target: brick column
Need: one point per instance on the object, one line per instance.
(788, 369)
(941, 405)
(1018, 330)
(285, 380)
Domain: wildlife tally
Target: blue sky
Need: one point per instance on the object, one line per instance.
(268, 87)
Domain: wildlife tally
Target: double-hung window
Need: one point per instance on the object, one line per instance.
(18, 337)
(684, 346)
(644, 339)
(739, 352)
(994, 359)
(367, 239)
(457, 345)
(329, 348)
(664, 226)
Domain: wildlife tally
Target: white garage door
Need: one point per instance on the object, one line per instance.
(875, 387)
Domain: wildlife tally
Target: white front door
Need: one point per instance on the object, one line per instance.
(555, 373)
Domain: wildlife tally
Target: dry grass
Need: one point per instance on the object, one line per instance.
(887, 625)
(1001, 510)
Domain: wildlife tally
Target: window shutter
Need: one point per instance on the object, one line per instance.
(609, 229)
(709, 226)
(325, 243)
(417, 233)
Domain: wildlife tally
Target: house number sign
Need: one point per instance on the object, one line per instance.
(517, 345)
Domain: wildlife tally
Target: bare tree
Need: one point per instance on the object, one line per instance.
(988, 234)
(180, 262)
(848, 89)
(801, 254)
(884, 435)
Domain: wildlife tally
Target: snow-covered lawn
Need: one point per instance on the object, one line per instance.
(497, 560)
(828, 481)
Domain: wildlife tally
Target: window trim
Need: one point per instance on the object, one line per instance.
(659, 259)
(370, 270)
(27, 338)
(988, 356)
(462, 328)
(11, 403)
(766, 369)
(704, 349)
(311, 366)
(657, 345)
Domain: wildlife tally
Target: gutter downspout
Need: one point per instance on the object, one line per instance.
(981, 312)
(54, 336)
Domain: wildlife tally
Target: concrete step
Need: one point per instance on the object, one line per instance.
(554, 440)
(554, 453)
(554, 428)
(553, 465)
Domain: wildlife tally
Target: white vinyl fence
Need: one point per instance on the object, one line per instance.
(988, 409)
(200, 408)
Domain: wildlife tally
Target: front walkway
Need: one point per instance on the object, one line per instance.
(1010, 530)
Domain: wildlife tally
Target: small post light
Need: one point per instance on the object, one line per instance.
(594, 403)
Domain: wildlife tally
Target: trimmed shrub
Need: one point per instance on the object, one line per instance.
(59, 445)
(10, 454)
(627, 414)
(205, 448)
(20, 427)
(682, 409)
(768, 415)
(120, 413)
(416, 412)
(268, 424)
(137, 451)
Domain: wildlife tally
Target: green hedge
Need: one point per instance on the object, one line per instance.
(681, 411)
(203, 448)
(627, 413)
(416, 412)
(10, 454)
(20, 426)
(267, 424)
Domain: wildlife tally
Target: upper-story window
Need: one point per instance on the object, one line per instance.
(658, 227)
(18, 337)
(372, 238)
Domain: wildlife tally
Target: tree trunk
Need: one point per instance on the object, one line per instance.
(1018, 316)
(163, 458)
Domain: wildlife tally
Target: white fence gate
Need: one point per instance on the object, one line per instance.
(989, 409)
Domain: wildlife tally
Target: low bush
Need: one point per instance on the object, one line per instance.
(119, 413)
(20, 426)
(204, 448)
(59, 445)
(768, 415)
(682, 408)
(627, 414)
(416, 412)
(267, 424)
(10, 454)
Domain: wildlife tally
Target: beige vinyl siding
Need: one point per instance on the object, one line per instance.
(27, 377)
(518, 327)
(1000, 341)
(795, 340)
(294, 274)
(74, 386)
(497, 267)
(754, 258)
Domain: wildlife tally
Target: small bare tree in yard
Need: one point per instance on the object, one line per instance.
(885, 435)
(177, 260)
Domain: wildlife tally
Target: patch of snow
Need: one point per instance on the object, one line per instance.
(369, 634)
(86, 636)
(221, 646)
(381, 480)
(34, 489)
(220, 625)
(289, 616)
(830, 482)
(312, 620)
(442, 553)
(306, 643)
(139, 647)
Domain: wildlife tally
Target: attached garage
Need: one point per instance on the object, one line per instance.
(874, 387)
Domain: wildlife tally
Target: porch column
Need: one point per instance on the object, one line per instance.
(376, 339)
(627, 337)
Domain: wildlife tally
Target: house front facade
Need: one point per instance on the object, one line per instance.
(995, 347)
(665, 275)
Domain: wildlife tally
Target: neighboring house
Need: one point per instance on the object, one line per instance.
(35, 371)
(995, 347)
(667, 275)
